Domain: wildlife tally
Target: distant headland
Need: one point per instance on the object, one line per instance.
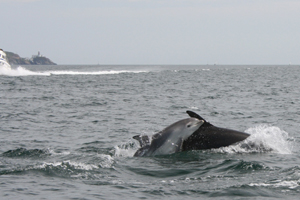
(15, 59)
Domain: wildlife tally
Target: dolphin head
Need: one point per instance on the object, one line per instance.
(171, 138)
(181, 129)
(191, 125)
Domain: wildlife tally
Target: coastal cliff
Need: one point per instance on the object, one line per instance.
(15, 59)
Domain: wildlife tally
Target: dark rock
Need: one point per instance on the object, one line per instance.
(15, 59)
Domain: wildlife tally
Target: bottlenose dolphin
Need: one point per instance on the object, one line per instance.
(169, 140)
(209, 136)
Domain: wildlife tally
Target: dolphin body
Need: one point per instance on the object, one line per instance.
(169, 140)
(209, 136)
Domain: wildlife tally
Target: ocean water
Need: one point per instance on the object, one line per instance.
(66, 132)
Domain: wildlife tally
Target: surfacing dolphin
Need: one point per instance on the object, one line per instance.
(209, 136)
(169, 140)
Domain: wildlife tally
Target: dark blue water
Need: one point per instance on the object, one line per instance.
(66, 132)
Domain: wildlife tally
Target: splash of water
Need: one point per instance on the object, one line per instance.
(21, 71)
(125, 150)
(263, 138)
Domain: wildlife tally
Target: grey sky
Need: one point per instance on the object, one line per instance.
(153, 31)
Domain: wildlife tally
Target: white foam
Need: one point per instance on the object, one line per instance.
(52, 152)
(194, 108)
(263, 138)
(92, 73)
(291, 184)
(107, 161)
(21, 71)
(65, 164)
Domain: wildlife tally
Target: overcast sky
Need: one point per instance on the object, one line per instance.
(153, 31)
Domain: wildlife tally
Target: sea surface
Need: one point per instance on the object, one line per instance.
(66, 132)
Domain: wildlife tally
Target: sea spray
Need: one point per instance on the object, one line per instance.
(125, 150)
(21, 71)
(263, 138)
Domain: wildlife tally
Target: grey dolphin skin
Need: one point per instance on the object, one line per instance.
(209, 136)
(169, 140)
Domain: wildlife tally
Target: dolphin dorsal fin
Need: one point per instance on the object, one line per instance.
(195, 115)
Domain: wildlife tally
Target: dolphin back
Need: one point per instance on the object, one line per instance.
(212, 137)
(209, 136)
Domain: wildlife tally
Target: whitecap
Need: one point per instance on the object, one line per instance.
(64, 153)
(67, 164)
(107, 161)
(291, 184)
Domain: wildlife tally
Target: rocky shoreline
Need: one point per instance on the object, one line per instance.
(15, 59)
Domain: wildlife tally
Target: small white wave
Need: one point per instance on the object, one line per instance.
(263, 138)
(52, 152)
(107, 161)
(291, 184)
(206, 69)
(194, 108)
(68, 163)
